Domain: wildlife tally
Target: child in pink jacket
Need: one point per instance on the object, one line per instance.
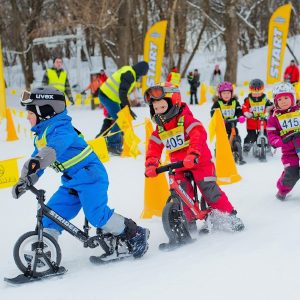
(282, 128)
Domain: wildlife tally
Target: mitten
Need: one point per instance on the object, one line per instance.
(190, 161)
(241, 119)
(150, 171)
(18, 189)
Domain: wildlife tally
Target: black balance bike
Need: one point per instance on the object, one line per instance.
(261, 146)
(38, 255)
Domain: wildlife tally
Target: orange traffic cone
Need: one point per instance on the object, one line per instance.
(10, 127)
(156, 190)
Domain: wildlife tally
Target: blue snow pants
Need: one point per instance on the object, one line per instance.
(114, 141)
(91, 184)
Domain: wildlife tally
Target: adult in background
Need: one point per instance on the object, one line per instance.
(291, 73)
(194, 82)
(57, 77)
(216, 77)
(114, 93)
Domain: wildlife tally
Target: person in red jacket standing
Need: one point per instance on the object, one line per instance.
(102, 76)
(291, 73)
(255, 105)
(184, 138)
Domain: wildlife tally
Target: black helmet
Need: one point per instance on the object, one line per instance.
(45, 102)
(256, 86)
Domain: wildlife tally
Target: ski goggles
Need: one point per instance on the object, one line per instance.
(25, 98)
(159, 92)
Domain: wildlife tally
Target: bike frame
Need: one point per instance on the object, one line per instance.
(83, 236)
(261, 132)
(176, 188)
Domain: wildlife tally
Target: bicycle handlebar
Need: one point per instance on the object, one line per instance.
(290, 137)
(165, 168)
(38, 193)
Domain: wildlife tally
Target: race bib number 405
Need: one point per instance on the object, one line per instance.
(173, 139)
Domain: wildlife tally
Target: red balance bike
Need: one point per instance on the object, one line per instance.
(174, 220)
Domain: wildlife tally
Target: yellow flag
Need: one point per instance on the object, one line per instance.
(100, 148)
(278, 32)
(202, 93)
(131, 140)
(2, 88)
(242, 92)
(9, 172)
(154, 46)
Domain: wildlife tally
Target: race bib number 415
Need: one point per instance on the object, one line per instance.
(290, 121)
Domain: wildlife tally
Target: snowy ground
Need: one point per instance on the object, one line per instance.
(260, 263)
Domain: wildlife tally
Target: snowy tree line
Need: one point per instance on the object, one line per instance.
(116, 28)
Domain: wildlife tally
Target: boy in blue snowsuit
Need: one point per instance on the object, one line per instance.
(84, 178)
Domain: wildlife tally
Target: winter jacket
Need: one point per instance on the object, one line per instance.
(194, 82)
(194, 137)
(53, 76)
(278, 130)
(291, 74)
(230, 110)
(61, 136)
(256, 106)
(94, 87)
(216, 78)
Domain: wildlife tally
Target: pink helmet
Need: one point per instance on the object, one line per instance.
(225, 86)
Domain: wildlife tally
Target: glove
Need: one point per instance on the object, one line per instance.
(83, 92)
(132, 114)
(150, 171)
(241, 119)
(18, 189)
(248, 115)
(190, 161)
(151, 164)
(72, 101)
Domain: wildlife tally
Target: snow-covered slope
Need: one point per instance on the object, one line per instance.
(260, 263)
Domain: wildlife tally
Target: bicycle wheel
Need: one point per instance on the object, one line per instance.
(262, 154)
(174, 222)
(25, 252)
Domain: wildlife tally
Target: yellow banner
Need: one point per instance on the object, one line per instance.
(9, 172)
(2, 88)
(154, 46)
(278, 31)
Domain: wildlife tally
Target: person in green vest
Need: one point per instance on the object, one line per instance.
(113, 95)
(174, 77)
(57, 77)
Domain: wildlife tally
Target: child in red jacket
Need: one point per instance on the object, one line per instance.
(185, 139)
(255, 105)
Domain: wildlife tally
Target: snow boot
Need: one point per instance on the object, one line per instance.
(137, 237)
(280, 196)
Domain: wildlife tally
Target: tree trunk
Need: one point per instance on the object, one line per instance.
(231, 36)
(123, 33)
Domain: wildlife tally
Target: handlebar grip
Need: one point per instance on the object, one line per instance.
(175, 165)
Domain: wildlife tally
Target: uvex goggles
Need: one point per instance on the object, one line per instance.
(25, 98)
(158, 92)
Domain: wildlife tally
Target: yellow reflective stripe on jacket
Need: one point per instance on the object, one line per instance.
(42, 142)
(175, 78)
(111, 86)
(228, 111)
(78, 158)
(55, 81)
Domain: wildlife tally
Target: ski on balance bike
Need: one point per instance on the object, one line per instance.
(37, 254)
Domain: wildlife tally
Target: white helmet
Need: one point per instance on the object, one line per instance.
(283, 88)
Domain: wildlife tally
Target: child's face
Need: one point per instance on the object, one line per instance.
(31, 117)
(226, 95)
(256, 95)
(160, 106)
(284, 102)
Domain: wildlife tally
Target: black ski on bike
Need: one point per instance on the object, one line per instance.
(23, 278)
